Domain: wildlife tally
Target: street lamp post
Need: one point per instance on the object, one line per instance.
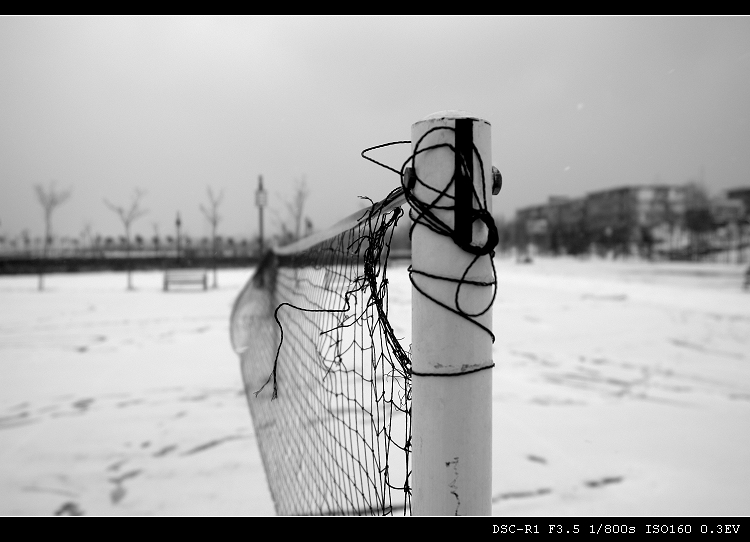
(178, 223)
(261, 198)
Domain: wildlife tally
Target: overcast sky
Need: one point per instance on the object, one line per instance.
(172, 105)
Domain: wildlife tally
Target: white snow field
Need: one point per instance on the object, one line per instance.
(620, 388)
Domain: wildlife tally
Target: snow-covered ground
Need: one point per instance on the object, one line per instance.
(619, 389)
(124, 402)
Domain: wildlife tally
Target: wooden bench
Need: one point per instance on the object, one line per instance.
(185, 277)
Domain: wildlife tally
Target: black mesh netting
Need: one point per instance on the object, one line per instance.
(327, 381)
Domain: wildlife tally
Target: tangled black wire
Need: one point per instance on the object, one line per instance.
(348, 377)
(346, 373)
(423, 212)
(374, 237)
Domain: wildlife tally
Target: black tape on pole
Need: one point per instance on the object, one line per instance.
(464, 181)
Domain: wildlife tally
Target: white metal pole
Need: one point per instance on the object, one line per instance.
(451, 355)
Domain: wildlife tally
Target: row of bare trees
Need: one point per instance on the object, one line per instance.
(296, 226)
(51, 198)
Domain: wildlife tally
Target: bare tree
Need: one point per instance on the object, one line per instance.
(212, 215)
(86, 238)
(50, 199)
(292, 230)
(128, 216)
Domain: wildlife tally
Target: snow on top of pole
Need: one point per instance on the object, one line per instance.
(453, 114)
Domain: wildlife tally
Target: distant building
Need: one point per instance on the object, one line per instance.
(531, 227)
(633, 207)
(623, 219)
(725, 210)
(611, 215)
(626, 219)
(567, 225)
(743, 195)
